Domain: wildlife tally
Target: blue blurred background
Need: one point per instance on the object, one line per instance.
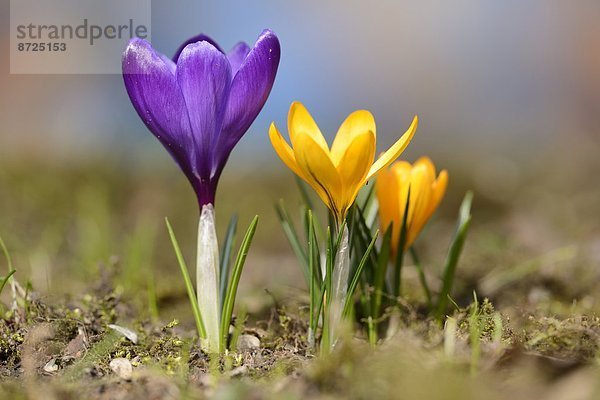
(499, 79)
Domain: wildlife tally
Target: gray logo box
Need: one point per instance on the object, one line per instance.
(74, 36)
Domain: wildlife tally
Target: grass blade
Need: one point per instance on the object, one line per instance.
(397, 275)
(6, 254)
(312, 318)
(421, 273)
(369, 207)
(356, 277)
(310, 205)
(464, 221)
(226, 256)
(188, 282)
(151, 297)
(380, 272)
(317, 272)
(304, 193)
(13, 282)
(5, 279)
(475, 328)
(235, 279)
(327, 287)
(363, 235)
(292, 236)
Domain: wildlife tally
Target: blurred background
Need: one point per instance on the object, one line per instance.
(508, 95)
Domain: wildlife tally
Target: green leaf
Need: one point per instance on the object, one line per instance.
(303, 192)
(369, 200)
(475, 329)
(369, 209)
(339, 237)
(363, 236)
(317, 272)
(151, 296)
(6, 254)
(309, 205)
(315, 241)
(356, 276)
(5, 279)
(235, 279)
(422, 278)
(313, 317)
(11, 270)
(292, 236)
(226, 256)
(327, 292)
(188, 282)
(397, 275)
(380, 272)
(464, 221)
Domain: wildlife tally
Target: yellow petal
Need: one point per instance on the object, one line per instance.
(393, 152)
(354, 166)
(425, 162)
(357, 123)
(283, 150)
(401, 171)
(300, 122)
(439, 190)
(319, 171)
(420, 197)
(387, 191)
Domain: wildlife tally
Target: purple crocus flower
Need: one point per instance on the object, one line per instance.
(200, 103)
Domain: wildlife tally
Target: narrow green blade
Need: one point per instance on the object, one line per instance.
(188, 282)
(397, 275)
(380, 272)
(5, 279)
(6, 254)
(422, 278)
(356, 276)
(226, 256)
(313, 317)
(293, 239)
(235, 279)
(464, 221)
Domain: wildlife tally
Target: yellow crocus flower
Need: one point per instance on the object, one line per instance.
(336, 174)
(426, 193)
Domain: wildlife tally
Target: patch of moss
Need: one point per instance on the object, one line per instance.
(10, 348)
(576, 338)
(492, 325)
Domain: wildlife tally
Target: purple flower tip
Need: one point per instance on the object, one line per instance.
(201, 102)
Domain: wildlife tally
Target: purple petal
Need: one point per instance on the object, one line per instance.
(195, 39)
(204, 77)
(237, 55)
(168, 62)
(157, 99)
(249, 91)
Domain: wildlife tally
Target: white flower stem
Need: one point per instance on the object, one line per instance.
(341, 272)
(207, 276)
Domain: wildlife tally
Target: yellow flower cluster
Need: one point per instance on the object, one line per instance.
(338, 173)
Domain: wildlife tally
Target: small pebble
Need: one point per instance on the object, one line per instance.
(51, 366)
(248, 343)
(122, 367)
